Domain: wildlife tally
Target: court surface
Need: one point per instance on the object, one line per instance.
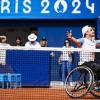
(38, 94)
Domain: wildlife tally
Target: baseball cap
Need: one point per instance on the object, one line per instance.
(85, 29)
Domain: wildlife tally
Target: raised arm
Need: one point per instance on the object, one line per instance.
(74, 40)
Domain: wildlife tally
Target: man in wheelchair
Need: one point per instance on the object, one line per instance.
(88, 59)
(87, 41)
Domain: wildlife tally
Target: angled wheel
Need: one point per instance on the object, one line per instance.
(95, 91)
(81, 83)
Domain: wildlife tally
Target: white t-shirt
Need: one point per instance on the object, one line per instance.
(88, 44)
(4, 44)
(66, 55)
(32, 45)
(3, 53)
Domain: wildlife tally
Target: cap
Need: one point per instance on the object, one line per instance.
(85, 29)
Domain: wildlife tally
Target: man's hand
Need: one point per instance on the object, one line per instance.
(69, 35)
(72, 39)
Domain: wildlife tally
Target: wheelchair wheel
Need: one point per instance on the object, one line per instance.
(79, 82)
(96, 89)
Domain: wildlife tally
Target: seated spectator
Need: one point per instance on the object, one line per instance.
(32, 41)
(3, 41)
(43, 42)
(18, 41)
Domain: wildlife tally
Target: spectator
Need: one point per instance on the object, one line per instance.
(43, 42)
(18, 41)
(66, 60)
(3, 41)
(32, 41)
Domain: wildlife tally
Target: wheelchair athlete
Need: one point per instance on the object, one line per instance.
(88, 58)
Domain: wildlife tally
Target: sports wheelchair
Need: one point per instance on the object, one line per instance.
(85, 79)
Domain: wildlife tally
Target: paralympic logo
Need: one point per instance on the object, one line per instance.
(60, 6)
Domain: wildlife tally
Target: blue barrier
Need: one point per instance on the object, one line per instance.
(34, 66)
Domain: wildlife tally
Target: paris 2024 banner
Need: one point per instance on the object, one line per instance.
(49, 9)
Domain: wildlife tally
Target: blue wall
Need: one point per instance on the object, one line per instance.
(56, 35)
(98, 28)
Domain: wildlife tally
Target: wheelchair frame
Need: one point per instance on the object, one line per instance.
(84, 87)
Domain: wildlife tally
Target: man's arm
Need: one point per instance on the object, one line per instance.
(74, 40)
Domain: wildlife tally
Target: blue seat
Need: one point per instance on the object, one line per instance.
(12, 80)
(19, 80)
(1, 81)
(15, 80)
(4, 79)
